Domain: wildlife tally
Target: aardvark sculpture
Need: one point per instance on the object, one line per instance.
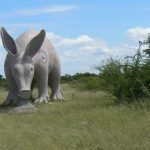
(31, 57)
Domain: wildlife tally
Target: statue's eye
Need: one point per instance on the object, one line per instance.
(31, 68)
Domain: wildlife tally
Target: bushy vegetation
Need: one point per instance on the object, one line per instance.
(130, 80)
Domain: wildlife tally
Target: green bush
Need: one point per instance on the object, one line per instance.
(128, 81)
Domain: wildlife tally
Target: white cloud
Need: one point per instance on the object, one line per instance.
(53, 37)
(75, 48)
(138, 33)
(83, 39)
(79, 54)
(39, 11)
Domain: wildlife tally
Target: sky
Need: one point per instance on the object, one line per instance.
(83, 32)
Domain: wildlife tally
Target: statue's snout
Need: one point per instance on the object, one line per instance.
(24, 94)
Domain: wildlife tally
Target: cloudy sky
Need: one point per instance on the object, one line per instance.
(83, 32)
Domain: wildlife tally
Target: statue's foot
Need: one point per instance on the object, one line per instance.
(58, 95)
(10, 102)
(42, 99)
(22, 102)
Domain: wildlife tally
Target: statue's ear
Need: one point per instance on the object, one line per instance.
(8, 42)
(35, 44)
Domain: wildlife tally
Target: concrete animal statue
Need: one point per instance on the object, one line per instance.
(31, 57)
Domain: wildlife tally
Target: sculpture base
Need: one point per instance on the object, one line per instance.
(25, 109)
(22, 109)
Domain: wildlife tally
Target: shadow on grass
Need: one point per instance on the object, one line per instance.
(24, 109)
(6, 109)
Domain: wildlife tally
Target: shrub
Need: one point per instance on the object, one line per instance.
(128, 81)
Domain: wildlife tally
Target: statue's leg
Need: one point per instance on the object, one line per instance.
(42, 81)
(54, 83)
(12, 97)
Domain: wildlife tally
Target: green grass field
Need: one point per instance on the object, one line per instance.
(85, 121)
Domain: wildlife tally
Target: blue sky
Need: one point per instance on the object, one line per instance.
(83, 32)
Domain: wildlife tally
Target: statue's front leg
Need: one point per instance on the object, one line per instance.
(43, 96)
(11, 100)
(12, 97)
(54, 83)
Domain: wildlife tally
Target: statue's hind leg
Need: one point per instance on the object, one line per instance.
(54, 83)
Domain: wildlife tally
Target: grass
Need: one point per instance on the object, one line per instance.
(86, 121)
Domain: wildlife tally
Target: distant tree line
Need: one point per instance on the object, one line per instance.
(82, 81)
(3, 82)
(77, 76)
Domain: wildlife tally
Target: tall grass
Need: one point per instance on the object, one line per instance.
(86, 121)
